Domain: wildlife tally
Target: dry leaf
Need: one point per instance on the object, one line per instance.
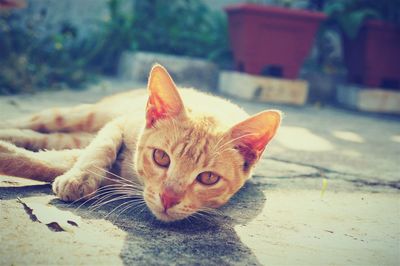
(55, 219)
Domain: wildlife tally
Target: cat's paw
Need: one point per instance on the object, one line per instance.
(75, 185)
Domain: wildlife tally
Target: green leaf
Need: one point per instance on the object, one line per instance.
(351, 23)
(334, 7)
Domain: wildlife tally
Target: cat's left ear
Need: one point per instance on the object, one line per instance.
(164, 100)
(253, 134)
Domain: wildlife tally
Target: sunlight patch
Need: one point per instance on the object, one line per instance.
(299, 138)
(297, 227)
(348, 136)
(395, 138)
(351, 153)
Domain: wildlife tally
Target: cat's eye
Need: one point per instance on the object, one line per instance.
(208, 178)
(161, 158)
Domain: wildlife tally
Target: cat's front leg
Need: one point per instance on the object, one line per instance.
(90, 170)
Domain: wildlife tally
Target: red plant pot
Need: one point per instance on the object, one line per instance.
(373, 58)
(271, 40)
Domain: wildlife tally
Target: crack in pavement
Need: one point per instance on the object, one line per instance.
(326, 173)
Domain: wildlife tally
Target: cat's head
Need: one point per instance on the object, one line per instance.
(188, 164)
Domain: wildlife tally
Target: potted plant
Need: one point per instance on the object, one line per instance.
(271, 40)
(371, 40)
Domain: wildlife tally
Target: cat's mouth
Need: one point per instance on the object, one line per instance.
(167, 215)
(164, 216)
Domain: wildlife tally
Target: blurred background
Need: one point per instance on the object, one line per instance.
(341, 49)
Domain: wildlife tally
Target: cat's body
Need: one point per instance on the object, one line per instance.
(190, 151)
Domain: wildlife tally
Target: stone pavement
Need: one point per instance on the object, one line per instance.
(283, 216)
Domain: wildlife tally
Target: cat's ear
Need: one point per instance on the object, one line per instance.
(164, 100)
(253, 134)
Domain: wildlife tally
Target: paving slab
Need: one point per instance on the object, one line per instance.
(342, 228)
(261, 225)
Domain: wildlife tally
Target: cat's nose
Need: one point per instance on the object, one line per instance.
(169, 199)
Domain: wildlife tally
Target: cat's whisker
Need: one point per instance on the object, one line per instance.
(138, 205)
(120, 183)
(205, 217)
(83, 197)
(119, 186)
(198, 218)
(183, 214)
(226, 149)
(89, 199)
(105, 177)
(235, 139)
(144, 207)
(95, 201)
(107, 190)
(119, 206)
(218, 142)
(212, 211)
(151, 201)
(125, 190)
(118, 193)
(217, 147)
(101, 204)
(120, 212)
(132, 207)
(132, 204)
(216, 154)
(108, 193)
(113, 174)
(189, 219)
(135, 182)
(113, 180)
(102, 198)
(129, 191)
(100, 189)
(111, 194)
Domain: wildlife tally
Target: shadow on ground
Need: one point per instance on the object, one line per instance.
(211, 240)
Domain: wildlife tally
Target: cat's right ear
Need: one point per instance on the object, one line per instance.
(252, 135)
(164, 100)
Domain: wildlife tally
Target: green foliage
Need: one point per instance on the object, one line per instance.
(32, 61)
(181, 27)
(29, 62)
(351, 14)
(116, 36)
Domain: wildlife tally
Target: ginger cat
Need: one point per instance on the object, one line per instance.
(188, 150)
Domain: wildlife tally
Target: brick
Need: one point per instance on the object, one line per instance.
(186, 71)
(263, 89)
(369, 99)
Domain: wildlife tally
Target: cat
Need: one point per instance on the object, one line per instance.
(188, 150)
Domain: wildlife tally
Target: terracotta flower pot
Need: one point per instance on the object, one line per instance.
(373, 58)
(271, 40)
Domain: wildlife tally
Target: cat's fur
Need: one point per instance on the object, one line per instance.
(198, 132)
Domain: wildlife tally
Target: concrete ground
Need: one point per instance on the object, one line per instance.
(325, 193)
